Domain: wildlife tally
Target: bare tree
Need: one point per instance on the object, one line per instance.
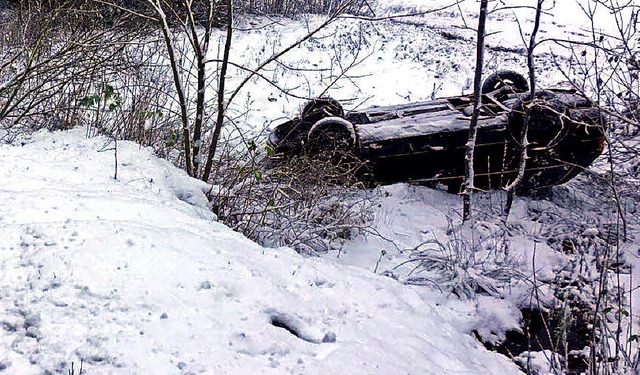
(524, 143)
(603, 65)
(477, 104)
(221, 94)
(45, 67)
(176, 20)
(608, 70)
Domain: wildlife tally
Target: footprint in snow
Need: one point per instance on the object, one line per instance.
(299, 328)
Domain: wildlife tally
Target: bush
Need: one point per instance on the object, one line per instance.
(290, 8)
(308, 204)
(473, 260)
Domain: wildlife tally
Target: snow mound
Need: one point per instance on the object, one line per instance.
(134, 275)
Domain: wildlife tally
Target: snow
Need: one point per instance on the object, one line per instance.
(134, 275)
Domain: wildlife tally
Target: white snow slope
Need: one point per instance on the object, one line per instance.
(134, 276)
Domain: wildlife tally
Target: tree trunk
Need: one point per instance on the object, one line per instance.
(524, 142)
(200, 47)
(221, 105)
(473, 125)
(175, 70)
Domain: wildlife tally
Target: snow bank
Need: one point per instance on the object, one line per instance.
(134, 275)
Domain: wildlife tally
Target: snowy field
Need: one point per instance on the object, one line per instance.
(134, 275)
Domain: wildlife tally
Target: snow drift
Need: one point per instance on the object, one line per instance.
(134, 275)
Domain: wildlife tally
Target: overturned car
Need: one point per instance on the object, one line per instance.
(424, 142)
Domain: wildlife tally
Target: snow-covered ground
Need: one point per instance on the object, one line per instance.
(134, 275)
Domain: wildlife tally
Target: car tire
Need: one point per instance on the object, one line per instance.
(319, 108)
(547, 119)
(505, 78)
(331, 134)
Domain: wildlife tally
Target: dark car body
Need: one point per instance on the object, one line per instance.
(424, 142)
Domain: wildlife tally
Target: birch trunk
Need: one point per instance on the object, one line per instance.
(477, 104)
(524, 142)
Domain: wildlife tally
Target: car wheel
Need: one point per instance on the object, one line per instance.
(287, 138)
(331, 134)
(505, 78)
(547, 118)
(319, 108)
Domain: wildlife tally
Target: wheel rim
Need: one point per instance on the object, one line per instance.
(330, 134)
